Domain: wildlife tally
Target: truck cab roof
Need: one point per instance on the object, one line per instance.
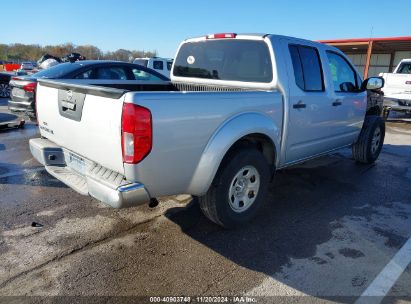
(260, 36)
(245, 60)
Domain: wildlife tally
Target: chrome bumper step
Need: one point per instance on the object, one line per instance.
(97, 181)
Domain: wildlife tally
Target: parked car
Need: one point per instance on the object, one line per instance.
(95, 72)
(161, 65)
(27, 66)
(397, 88)
(73, 57)
(4, 85)
(242, 107)
(47, 56)
(48, 63)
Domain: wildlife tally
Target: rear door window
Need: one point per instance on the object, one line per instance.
(298, 69)
(226, 59)
(307, 68)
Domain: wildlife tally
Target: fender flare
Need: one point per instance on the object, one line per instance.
(223, 139)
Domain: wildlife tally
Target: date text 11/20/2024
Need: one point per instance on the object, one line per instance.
(203, 299)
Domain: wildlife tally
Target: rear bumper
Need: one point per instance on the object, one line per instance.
(99, 182)
(22, 105)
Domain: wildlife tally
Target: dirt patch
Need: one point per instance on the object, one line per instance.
(351, 253)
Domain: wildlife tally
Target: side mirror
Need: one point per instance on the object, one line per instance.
(372, 83)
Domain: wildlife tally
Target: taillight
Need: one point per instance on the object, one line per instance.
(221, 35)
(35, 103)
(136, 133)
(30, 87)
(408, 82)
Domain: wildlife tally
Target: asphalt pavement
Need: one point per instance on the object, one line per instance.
(331, 230)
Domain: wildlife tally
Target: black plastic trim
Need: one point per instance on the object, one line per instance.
(85, 89)
(299, 105)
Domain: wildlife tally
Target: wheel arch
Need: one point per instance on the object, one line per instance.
(375, 110)
(246, 130)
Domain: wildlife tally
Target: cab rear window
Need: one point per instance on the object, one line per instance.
(232, 59)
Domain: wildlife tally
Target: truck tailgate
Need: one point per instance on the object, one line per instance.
(397, 83)
(83, 119)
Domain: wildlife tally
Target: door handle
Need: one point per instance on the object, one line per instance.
(337, 103)
(299, 105)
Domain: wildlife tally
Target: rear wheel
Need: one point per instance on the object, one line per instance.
(369, 143)
(238, 190)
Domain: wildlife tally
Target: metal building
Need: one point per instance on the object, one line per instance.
(374, 55)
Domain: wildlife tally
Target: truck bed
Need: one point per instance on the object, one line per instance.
(183, 124)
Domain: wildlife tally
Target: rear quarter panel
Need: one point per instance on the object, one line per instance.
(185, 124)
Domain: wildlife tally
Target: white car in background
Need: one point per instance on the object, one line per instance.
(160, 65)
(397, 88)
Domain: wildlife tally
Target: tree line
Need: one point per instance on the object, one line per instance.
(18, 52)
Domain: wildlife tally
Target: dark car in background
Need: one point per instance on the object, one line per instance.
(4, 85)
(94, 72)
(73, 57)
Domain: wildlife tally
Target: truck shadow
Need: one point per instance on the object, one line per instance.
(304, 206)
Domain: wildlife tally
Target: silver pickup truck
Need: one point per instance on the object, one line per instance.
(239, 108)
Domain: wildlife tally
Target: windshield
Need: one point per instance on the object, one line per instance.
(405, 68)
(233, 59)
(57, 71)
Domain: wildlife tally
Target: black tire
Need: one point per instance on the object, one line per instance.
(215, 203)
(365, 150)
